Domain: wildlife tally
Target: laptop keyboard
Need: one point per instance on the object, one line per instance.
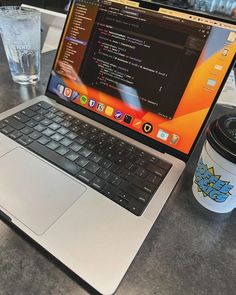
(120, 171)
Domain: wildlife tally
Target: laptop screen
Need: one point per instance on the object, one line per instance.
(155, 72)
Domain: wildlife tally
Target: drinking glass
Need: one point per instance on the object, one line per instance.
(20, 32)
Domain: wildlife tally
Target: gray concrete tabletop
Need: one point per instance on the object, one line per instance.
(189, 251)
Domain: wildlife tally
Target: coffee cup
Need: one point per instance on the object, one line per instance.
(214, 182)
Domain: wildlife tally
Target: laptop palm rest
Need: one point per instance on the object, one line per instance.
(34, 192)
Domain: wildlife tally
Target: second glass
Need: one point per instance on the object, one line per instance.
(20, 32)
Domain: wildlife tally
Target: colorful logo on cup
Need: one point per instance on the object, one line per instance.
(210, 184)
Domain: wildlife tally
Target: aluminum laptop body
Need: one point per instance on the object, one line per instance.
(148, 75)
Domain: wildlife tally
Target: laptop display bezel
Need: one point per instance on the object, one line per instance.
(125, 130)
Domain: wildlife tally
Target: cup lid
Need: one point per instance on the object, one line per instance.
(221, 134)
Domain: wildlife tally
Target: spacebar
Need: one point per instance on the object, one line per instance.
(54, 158)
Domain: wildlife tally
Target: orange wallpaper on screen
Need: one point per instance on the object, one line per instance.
(191, 111)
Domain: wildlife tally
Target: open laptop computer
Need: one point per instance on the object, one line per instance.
(87, 168)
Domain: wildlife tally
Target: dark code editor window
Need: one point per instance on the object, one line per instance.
(143, 58)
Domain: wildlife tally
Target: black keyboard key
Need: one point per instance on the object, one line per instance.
(53, 110)
(72, 156)
(81, 161)
(98, 183)
(120, 161)
(57, 119)
(131, 157)
(39, 128)
(91, 137)
(141, 162)
(21, 117)
(66, 141)
(135, 192)
(61, 114)
(29, 113)
(109, 156)
(45, 105)
(48, 132)
(104, 174)
(164, 165)
(42, 112)
(32, 123)
(90, 146)
(114, 180)
(119, 152)
(24, 140)
(85, 152)
(109, 191)
(38, 118)
(46, 122)
(142, 154)
(77, 122)
(156, 170)
(135, 207)
(6, 130)
(15, 134)
(126, 174)
(35, 135)
(52, 145)
(43, 140)
(80, 140)
(34, 108)
(27, 130)
(85, 126)
(54, 158)
(74, 128)
(57, 137)
(50, 115)
(153, 178)
(105, 163)
(115, 169)
(66, 124)
(54, 126)
(14, 123)
(83, 133)
(2, 124)
(92, 167)
(68, 117)
(94, 130)
(141, 172)
(63, 131)
(124, 196)
(121, 201)
(85, 176)
(62, 150)
(75, 147)
(153, 159)
(71, 135)
(95, 158)
(144, 185)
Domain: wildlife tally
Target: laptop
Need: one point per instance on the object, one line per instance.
(87, 168)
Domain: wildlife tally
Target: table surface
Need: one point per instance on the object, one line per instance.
(189, 250)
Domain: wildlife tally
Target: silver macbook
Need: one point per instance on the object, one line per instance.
(87, 168)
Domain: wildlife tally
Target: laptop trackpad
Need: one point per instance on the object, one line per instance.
(35, 192)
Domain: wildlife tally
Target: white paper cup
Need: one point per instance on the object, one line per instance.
(214, 182)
